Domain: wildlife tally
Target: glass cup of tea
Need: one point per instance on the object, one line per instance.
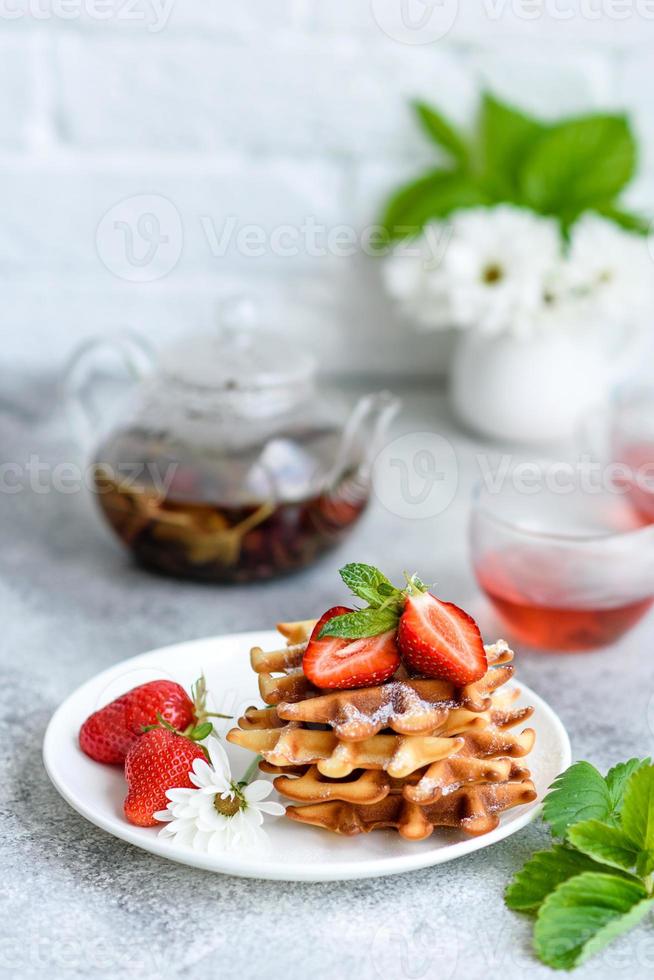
(631, 447)
(563, 556)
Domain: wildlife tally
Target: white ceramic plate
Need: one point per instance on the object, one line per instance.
(297, 852)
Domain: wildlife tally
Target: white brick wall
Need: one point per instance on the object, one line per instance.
(275, 113)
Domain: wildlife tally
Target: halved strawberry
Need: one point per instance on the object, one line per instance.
(437, 639)
(334, 662)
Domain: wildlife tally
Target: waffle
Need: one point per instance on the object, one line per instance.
(365, 786)
(396, 754)
(474, 810)
(413, 754)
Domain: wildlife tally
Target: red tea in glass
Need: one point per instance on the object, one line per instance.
(565, 567)
(552, 624)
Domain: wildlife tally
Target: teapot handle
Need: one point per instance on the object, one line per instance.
(82, 405)
(372, 415)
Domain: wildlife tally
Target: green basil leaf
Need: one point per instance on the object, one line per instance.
(442, 132)
(505, 134)
(431, 197)
(604, 843)
(628, 220)
(638, 816)
(579, 793)
(365, 581)
(584, 914)
(578, 164)
(356, 625)
(544, 872)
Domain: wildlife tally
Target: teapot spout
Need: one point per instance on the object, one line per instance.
(364, 432)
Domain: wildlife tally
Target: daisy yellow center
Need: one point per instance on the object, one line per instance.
(492, 273)
(228, 806)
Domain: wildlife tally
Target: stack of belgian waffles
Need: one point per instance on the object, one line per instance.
(411, 753)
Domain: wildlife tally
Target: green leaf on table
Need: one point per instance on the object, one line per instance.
(584, 914)
(579, 793)
(364, 622)
(442, 132)
(578, 164)
(544, 872)
(617, 779)
(604, 843)
(364, 581)
(505, 135)
(431, 197)
(638, 816)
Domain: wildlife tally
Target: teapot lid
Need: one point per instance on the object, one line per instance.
(239, 357)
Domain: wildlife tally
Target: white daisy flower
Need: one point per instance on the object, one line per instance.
(487, 269)
(220, 814)
(609, 271)
(498, 265)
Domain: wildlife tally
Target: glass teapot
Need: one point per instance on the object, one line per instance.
(225, 463)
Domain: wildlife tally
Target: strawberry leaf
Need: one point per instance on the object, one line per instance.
(583, 914)
(638, 816)
(579, 793)
(356, 625)
(544, 872)
(604, 843)
(617, 779)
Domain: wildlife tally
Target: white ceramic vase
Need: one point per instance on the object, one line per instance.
(535, 390)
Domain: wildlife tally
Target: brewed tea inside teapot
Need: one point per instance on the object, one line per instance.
(228, 464)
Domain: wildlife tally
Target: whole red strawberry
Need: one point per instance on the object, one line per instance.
(108, 734)
(158, 761)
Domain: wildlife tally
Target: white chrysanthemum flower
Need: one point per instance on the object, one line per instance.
(499, 264)
(610, 271)
(220, 814)
(486, 268)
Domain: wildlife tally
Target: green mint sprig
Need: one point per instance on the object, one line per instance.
(598, 882)
(560, 168)
(385, 603)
